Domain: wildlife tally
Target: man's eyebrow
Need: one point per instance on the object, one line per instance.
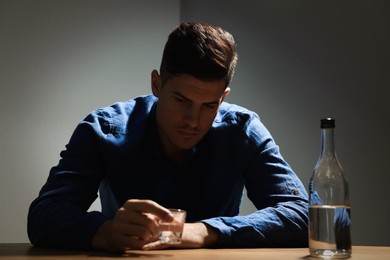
(176, 93)
(215, 102)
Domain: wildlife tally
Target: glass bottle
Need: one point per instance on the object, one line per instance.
(329, 205)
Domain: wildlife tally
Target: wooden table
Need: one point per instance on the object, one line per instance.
(26, 251)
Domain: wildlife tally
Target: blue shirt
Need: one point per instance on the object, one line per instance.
(116, 150)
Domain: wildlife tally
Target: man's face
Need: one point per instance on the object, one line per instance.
(185, 110)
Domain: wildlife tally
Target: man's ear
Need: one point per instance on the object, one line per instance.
(156, 83)
(226, 93)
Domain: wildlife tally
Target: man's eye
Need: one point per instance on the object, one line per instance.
(180, 100)
(211, 106)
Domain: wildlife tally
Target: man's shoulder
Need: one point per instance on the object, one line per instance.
(120, 116)
(240, 121)
(138, 106)
(234, 114)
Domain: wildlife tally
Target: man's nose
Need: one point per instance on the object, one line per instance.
(192, 115)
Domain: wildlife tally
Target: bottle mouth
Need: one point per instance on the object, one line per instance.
(328, 123)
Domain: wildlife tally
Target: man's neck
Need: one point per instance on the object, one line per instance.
(176, 156)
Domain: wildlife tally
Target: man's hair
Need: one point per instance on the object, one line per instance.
(202, 50)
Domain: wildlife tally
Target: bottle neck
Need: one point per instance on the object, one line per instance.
(327, 142)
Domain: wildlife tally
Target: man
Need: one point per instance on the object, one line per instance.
(182, 147)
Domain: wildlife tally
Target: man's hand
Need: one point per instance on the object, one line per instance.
(134, 226)
(195, 235)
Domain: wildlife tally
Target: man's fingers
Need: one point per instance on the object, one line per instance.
(124, 243)
(156, 245)
(134, 230)
(136, 224)
(148, 206)
(140, 218)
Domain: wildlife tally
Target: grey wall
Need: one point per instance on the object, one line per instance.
(59, 60)
(300, 61)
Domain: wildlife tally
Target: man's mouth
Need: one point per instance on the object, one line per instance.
(187, 133)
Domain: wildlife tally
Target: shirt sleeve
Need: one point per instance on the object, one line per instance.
(276, 191)
(59, 217)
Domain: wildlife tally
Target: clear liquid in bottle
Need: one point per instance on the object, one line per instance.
(329, 233)
(329, 205)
